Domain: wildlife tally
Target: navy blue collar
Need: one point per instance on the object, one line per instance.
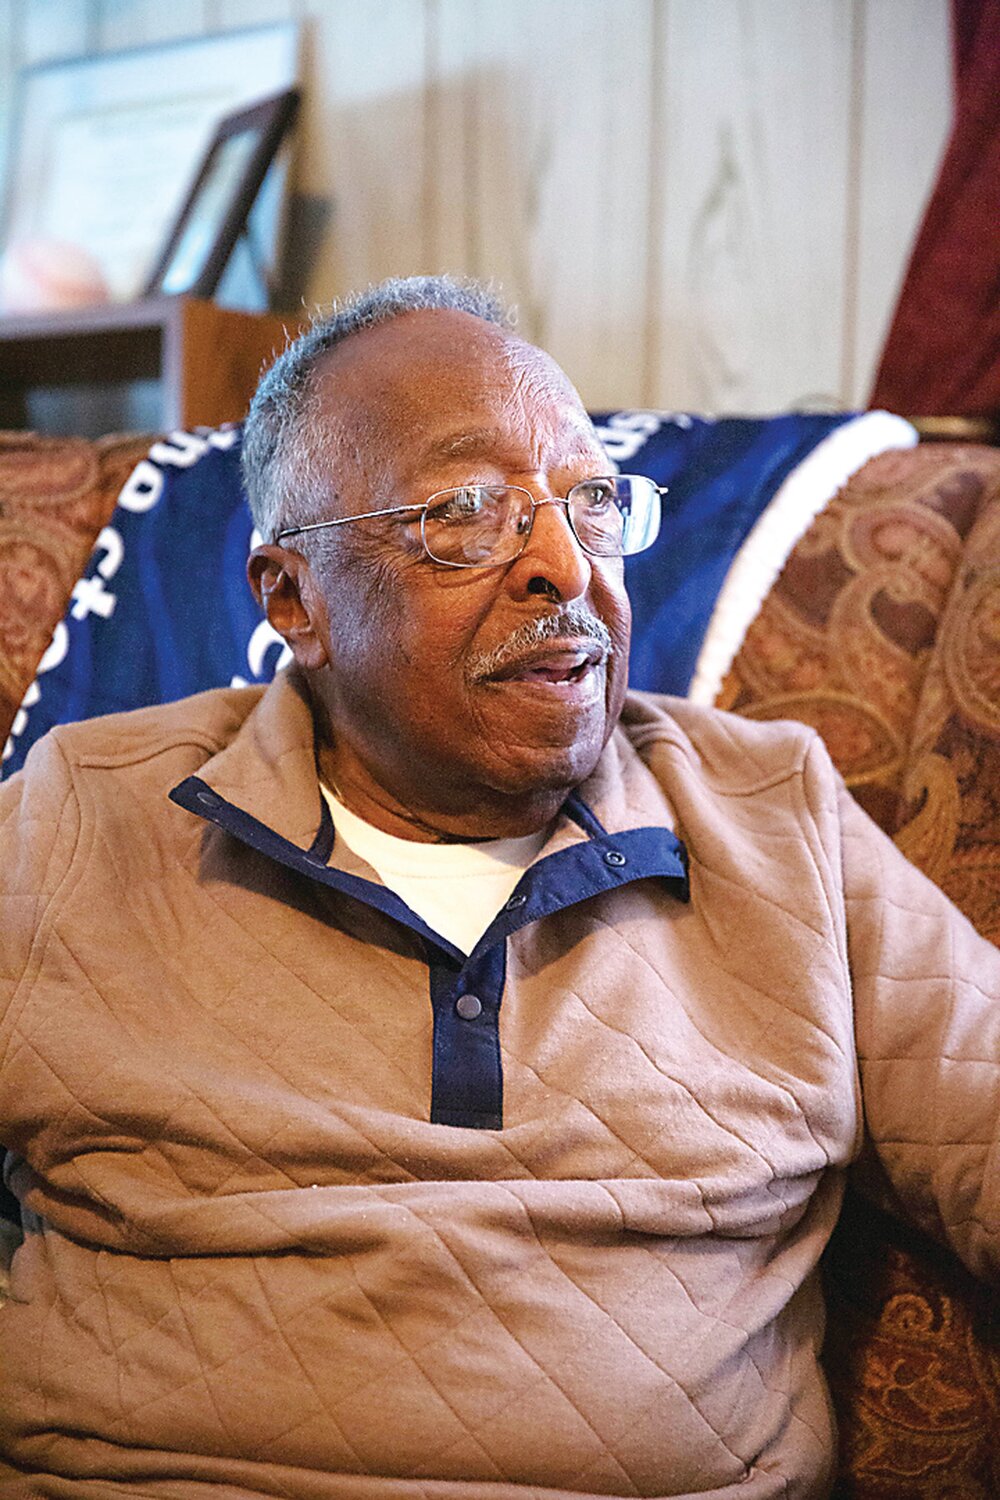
(601, 862)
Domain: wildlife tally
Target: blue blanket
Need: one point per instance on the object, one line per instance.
(164, 608)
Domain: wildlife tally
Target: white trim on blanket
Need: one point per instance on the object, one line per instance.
(797, 501)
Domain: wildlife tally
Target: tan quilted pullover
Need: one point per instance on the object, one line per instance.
(255, 1266)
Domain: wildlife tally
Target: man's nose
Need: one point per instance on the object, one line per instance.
(553, 562)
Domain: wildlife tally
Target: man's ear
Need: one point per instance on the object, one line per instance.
(284, 586)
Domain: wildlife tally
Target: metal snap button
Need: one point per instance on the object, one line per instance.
(616, 858)
(515, 901)
(469, 1007)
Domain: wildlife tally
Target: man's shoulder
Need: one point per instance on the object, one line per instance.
(733, 753)
(113, 774)
(202, 724)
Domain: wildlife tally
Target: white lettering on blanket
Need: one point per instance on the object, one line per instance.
(626, 432)
(140, 493)
(89, 594)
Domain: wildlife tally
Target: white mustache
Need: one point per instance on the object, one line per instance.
(575, 622)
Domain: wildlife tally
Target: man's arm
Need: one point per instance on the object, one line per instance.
(927, 1019)
(39, 826)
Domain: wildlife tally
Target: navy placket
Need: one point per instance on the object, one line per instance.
(466, 992)
(467, 1083)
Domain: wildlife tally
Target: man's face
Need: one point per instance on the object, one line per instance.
(464, 702)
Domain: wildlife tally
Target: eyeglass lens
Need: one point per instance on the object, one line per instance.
(481, 524)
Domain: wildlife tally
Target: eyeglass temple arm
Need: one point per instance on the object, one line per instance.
(366, 515)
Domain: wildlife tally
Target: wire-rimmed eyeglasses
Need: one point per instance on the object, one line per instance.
(484, 525)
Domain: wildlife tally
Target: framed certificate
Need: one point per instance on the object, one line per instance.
(106, 147)
(215, 211)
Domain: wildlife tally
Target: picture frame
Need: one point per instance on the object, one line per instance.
(215, 211)
(105, 147)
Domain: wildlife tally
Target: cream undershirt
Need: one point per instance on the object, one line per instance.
(456, 888)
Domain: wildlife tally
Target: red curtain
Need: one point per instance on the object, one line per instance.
(942, 356)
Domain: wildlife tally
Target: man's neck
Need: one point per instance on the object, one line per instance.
(488, 815)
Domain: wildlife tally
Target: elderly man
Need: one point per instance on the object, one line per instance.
(434, 1075)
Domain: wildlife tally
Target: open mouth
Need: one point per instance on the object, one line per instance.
(556, 673)
(563, 667)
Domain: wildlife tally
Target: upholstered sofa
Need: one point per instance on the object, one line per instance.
(882, 630)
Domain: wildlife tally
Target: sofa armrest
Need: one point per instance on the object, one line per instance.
(882, 632)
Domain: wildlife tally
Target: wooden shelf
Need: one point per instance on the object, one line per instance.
(207, 358)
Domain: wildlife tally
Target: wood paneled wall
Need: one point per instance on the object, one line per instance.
(701, 204)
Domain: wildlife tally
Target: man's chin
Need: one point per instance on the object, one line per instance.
(548, 768)
(548, 737)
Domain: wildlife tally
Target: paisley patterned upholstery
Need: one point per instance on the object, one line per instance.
(55, 494)
(883, 631)
(913, 1359)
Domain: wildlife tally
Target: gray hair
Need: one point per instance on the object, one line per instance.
(285, 476)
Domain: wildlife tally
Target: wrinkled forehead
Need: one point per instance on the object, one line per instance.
(438, 386)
